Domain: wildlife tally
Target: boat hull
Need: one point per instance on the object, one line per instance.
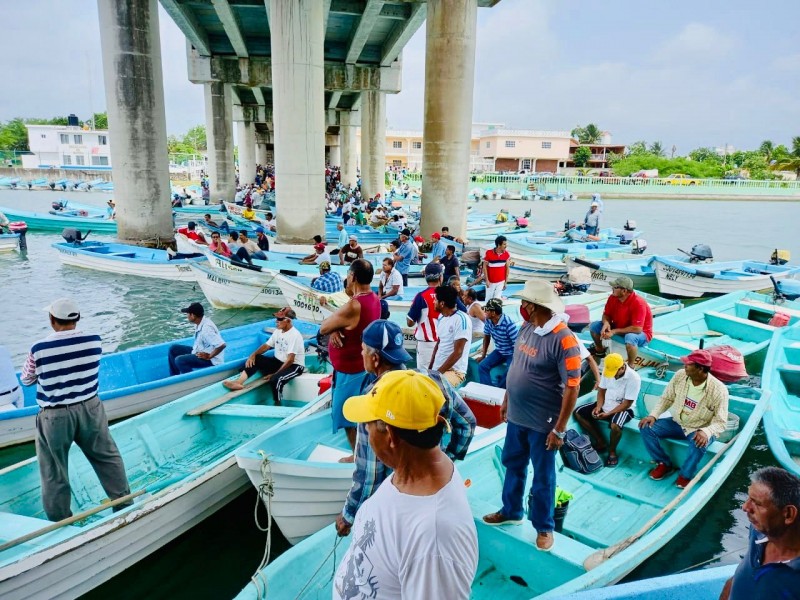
(45, 222)
(158, 268)
(226, 292)
(9, 242)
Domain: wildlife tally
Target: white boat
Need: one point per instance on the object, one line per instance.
(534, 266)
(9, 242)
(229, 290)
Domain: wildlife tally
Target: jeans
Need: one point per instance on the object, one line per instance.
(669, 429)
(493, 359)
(523, 444)
(631, 339)
(181, 360)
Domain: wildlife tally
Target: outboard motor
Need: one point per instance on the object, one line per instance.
(630, 225)
(638, 246)
(58, 205)
(700, 253)
(779, 257)
(73, 236)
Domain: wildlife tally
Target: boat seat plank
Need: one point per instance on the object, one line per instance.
(253, 411)
(122, 254)
(770, 308)
(151, 443)
(739, 328)
(674, 342)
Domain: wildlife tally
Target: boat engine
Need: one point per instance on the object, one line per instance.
(58, 205)
(779, 257)
(700, 253)
(630, 225)
(638, 246)
(73, 236)
(577, 281)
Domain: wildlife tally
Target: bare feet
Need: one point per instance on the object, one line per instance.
(232, 384)
(348, 459)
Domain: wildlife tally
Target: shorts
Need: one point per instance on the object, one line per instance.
(618, 419)
(345, 385)
(631, 339)
(454, 378)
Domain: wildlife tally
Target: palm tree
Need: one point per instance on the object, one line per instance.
(592, 134)
(767, 148)
(657, 149)
(792, 161)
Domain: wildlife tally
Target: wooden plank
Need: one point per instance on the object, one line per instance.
(770, 308)
(204, 408)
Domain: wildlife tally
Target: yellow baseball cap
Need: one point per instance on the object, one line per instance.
(612, 364)
(404, 399)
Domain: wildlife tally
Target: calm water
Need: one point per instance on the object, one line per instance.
(215, 559)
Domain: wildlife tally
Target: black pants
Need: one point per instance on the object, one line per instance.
(405, 279)
(268, 365)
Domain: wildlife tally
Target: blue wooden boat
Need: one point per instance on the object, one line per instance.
(136, 380)
(123, 259)
(638, 268)
(67, 208)
(56, 223)
(179, 455)
(705, 584)
(616, 519)
(201, 209)
(782, 378)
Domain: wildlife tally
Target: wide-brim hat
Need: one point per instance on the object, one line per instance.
(541, 293)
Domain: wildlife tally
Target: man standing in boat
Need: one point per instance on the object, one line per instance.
(208, 348)
(65, 368)
(698, 404)
(495, 268)
(542, 387)
(591, 222)
(626, 314)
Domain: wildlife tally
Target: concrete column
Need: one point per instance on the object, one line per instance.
(131, 49)
(373, 144)
(449, 81)
(219, 132)
(335, 156)
(246, 133)
(298, 101)
(347, 137)
(261, 153)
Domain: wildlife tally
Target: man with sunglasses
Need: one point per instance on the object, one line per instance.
(288, 361)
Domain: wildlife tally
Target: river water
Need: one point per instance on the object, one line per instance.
(215, 559)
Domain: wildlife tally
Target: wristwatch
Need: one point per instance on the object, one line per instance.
(560, 434)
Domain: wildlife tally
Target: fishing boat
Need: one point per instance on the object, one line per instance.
(180, 460)
(617, 517)
(681, 279)
(782, 378)
(123, 259)
(309, 483)
(68, 208)
(136, 380)
(9, 242)
(705, 584)
(537, 266)
(739, 320)
(56, 223)
(227, 290)
(194, 209)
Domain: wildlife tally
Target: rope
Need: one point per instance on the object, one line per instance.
(265, 492)
(235, 311)
(705, 562)
(319, 568)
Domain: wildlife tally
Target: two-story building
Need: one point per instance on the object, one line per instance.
(67, 147)
(525, 149)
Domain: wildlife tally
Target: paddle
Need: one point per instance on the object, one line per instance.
(87, 513)
(708, 333)
(595, 559)
(203, 408)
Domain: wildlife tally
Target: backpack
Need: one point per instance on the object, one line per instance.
(578, 454)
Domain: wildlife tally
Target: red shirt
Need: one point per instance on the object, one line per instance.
(191, 234)
(348, 359)
(633, 312)
(496, 265)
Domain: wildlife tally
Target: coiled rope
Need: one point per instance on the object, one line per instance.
(266, 490)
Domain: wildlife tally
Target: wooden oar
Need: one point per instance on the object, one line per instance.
(708, 333)
(88, 513)
(595, 559)
(203, 408)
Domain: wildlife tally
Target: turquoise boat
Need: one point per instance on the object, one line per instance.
(782, 378)
(179, 456)
(136, 380)
(56, 223)
(618, 517)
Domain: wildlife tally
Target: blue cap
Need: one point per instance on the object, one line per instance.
(260, 229)
(387, 338)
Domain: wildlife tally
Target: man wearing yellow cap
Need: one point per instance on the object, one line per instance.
(618, 389)
(415, 537)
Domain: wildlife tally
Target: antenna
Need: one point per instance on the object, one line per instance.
(91, 107)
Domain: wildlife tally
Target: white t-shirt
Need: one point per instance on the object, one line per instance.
(410, 546)
(394, 278)
(617, 390)
(455, 327)
(321, 258)
(286, 343)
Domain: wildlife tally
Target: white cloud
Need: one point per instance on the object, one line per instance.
(696, 42)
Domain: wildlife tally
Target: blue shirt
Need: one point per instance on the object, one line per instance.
(753, 579)
(344, 238)
(504, 334)
(438, 249)
(405, 252)
(329, 282)
(370, 472)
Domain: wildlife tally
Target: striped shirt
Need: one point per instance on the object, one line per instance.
(496, 265)
(65, 367)
(504, 334)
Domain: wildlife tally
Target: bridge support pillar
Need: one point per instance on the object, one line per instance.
(335, 155)
(298, 100)
(373, 144)
(219, 130)
(449, 81)
(261, 153)
(247, 151)
(347, 137)
(129, 38)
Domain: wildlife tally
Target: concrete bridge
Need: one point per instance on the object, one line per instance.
(297, 77)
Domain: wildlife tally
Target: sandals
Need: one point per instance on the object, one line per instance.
(612, 461)
(597, 353)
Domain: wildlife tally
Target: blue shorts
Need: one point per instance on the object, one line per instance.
(631, 339)
(345, 385)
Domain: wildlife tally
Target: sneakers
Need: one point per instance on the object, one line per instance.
(545, 541)
(660, 472)
(499, 518)
(682, 482)
(597, 353)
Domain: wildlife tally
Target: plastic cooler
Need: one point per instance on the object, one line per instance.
(484, 401)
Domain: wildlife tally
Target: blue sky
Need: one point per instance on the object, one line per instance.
(698, 73)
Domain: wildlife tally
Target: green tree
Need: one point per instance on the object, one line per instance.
(639, 147)
(14, 135)
(705, 155)
(767, 148)
(100, 120)
(590, 134)
(581, 156)
(196, 138)
(790, 162)
(657, 149)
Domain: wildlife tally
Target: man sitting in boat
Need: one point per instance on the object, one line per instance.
(262, 239)
(320, 255)
(208, 348)
(328, 281)
(10, 393)
(190, 231)
(208, 221)
(218, 246)
(771, 567)
(289, 360)
(248, 249)
(698, 404)
(618, 389)
(626, 314)
(248, 212)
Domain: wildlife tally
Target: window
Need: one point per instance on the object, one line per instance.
(78, 139)
(488, 145)
(99, 161)
(547, 145)
(64, 138)
(397, 144)
(526, 164)
(67, 159)
(79, 159)
(511, 144)
(102, 140)
(397, 163)
(416, 145)
(44, 136)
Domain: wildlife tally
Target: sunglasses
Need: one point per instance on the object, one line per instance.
(279, 319)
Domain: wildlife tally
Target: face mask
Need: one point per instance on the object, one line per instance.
(523, 312)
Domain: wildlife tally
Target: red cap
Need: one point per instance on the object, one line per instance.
(419, 239)
(437, 236)
(319, 246)
(698, 357)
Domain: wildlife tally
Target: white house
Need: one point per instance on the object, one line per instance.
(67, 147)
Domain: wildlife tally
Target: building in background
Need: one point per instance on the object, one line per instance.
(515, 150)
(67, 147)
